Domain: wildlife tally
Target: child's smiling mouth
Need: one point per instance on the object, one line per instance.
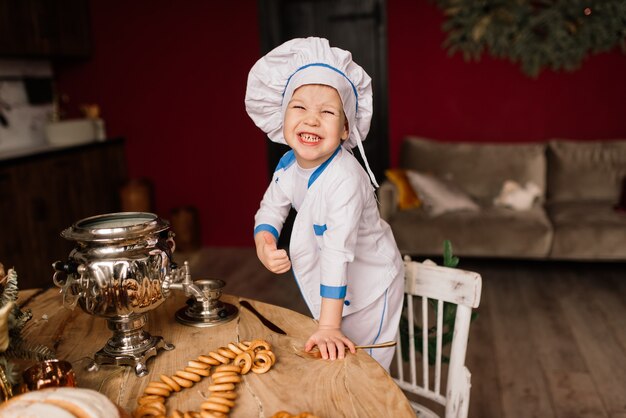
(309, 138)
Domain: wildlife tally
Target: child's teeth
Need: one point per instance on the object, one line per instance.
(310, 138)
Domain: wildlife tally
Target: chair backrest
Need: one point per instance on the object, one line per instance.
(440, 284)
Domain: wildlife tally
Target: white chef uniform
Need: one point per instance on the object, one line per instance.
(340, 247)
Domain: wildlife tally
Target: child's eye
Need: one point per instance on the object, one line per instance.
(330, 112)
(298, 107)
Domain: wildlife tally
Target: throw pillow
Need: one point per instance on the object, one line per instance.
(517, 197)
(439, 196)
(407, 198)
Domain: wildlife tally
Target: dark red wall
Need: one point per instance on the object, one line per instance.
(434, 95)
(171, 76)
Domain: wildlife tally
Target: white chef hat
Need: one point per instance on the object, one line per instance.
(274, 78)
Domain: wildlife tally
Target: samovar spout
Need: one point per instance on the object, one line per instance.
(180, 279)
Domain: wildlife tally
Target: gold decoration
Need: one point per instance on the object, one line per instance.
(6, 390)
(4, 326)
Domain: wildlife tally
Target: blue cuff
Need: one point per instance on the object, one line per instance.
(333, 292)
(268, 228)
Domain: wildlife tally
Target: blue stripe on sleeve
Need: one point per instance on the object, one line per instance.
(333, 292)
(268, 228)
(319, 229)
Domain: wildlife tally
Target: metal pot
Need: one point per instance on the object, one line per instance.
(117, 271)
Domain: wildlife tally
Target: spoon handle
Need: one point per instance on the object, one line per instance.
(381, 345)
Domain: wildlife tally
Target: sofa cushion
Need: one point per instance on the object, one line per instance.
(407, 198)
(438, 195)
(585, 170)
(588, 230)
(480, 169)
(491, 232)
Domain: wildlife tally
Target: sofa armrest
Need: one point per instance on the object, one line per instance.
(387, 200)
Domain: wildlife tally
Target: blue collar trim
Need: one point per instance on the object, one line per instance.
(286, 160)
(322, 167)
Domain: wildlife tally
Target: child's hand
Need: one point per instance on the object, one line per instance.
(331, 343)
(275, 260)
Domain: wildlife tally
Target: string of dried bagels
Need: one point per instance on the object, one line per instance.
(229, 364)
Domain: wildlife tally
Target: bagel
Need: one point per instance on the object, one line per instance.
(220, 374)
(157, 405)
(188, 375)
(182, 381)
(234, 348)
(199, 372)
(212, 414)
(219, 357)
(149, 399)
(226, 352)
(170, 382)
(269, 353)
(244, 345)
(222, 400)
(227, 379)
(209, 360)
(259, 345)
(243, 361)
(262, 363)
(223, 387)
(198, 364)
(157, 391)
(155, 384)
(214, 406)
(226, 395)
(228, 368)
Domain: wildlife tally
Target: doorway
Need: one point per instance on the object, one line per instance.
(359, 26)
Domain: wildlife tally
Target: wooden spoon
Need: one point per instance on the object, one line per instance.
(315, 352)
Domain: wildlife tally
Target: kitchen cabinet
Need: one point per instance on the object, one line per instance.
(45, 28)
(40, 195)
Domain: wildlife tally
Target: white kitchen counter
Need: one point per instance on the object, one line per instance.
(32, 150)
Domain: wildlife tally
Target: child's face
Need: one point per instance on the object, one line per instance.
(315, 124)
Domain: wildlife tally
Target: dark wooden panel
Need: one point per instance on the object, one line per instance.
(48, 193)
(45, 28)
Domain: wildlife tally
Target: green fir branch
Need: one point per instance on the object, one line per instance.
(10, 290)
(18, 347)
(555, 34)
(22, 349)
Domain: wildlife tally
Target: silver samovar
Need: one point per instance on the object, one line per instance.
(121, 269)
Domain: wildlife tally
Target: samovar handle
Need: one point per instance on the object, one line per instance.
(67, 268)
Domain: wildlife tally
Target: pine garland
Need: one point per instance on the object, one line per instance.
(539, 34)
(18, 348)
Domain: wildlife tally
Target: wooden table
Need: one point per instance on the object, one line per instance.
(354, 387)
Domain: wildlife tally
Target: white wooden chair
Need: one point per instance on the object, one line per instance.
(441, 284)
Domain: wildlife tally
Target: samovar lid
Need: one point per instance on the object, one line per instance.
(115, 226)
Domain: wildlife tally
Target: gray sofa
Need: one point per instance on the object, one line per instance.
(573, 217)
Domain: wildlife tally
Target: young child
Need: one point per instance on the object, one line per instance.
(315, 99)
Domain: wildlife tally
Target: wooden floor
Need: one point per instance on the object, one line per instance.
(550, 339)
